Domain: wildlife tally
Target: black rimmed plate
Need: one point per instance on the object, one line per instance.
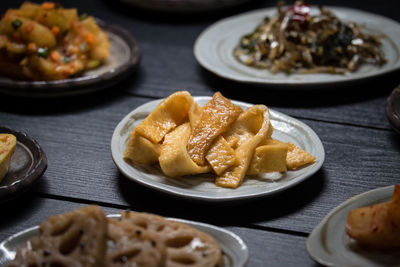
(393, 109)
(124, 58)
(28, 163)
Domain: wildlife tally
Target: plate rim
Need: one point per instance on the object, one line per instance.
(14, 190)
(161, 188)
(79, 85)
(316, 232)
(237, 238)
(280, 83)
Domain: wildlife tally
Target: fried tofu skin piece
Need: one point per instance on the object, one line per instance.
(270, 157)
(249, 130)
(170, 113)
(221, 156)
(141, 150)
(7, 147)
(215, 118)
(297, 158)
(174, 158)
(76, 238)
(376, 226)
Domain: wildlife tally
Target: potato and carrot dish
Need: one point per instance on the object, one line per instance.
(48, 42)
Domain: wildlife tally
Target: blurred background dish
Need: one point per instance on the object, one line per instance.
(124, 58)
(393, 109)
(183, 6)
(28, 163)
(214, 50)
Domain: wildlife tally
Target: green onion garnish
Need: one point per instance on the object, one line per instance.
(43, 52)
(16, 23)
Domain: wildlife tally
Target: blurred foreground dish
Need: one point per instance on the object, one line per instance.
(49, 42)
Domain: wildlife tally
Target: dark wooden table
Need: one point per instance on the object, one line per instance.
(362, 151)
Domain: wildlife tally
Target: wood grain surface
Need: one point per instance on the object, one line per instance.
(362, 151)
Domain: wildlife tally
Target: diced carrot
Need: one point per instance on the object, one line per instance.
(55, 56)
(90, 38)
(48, 5)
(55, 30)
(32, 47)
(29, 27)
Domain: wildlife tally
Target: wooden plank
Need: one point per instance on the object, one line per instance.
(278, 249)
(80, 166)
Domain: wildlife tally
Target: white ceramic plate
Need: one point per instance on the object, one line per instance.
(202, 187)
(329, 245)
(214, 49)
(235, 250)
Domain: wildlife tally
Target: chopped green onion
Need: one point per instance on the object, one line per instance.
(65, 32)
(83, 16)
(43, 52)
(83, 47)
(66, 59)
(94, 63)
(16, 23)
(266, 20)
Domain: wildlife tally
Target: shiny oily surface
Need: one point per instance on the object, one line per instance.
(328, 244)
(202, 187)
(235, 250)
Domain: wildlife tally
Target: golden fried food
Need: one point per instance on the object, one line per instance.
(49, 42)
(170, 113)
(253, 124)
(173, 150)
(185, 245)
(376, 226)
(76, 239)
(270, 157)
(134, 246)
(187, 139)
(149, 152)
(7, 146)
(215, 118)
(297, 157)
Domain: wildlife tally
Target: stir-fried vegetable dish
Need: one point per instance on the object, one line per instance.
(295, 41)
(48, 42)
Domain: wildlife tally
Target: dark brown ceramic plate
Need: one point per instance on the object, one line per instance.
(28, 163)
(124, 58)
(393, 109)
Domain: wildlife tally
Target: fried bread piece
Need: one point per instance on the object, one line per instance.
(248, 131)
(270, 157)
(141, 150)
(174, 158)
(221, 156)
(297, 157)
(186, 246)
(76, 238)
(170, 113)
(134, 246)
(376, 226)
(7, 146)
(215, 118)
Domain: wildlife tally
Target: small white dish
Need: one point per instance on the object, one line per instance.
(202, 187)
(235, 250)
(214, 50)
(329, 245)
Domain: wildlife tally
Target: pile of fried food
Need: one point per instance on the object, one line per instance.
(49, 42)
(187, 139)
(7, 146)
(377, 226)
(87, 238)
(296, 41)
